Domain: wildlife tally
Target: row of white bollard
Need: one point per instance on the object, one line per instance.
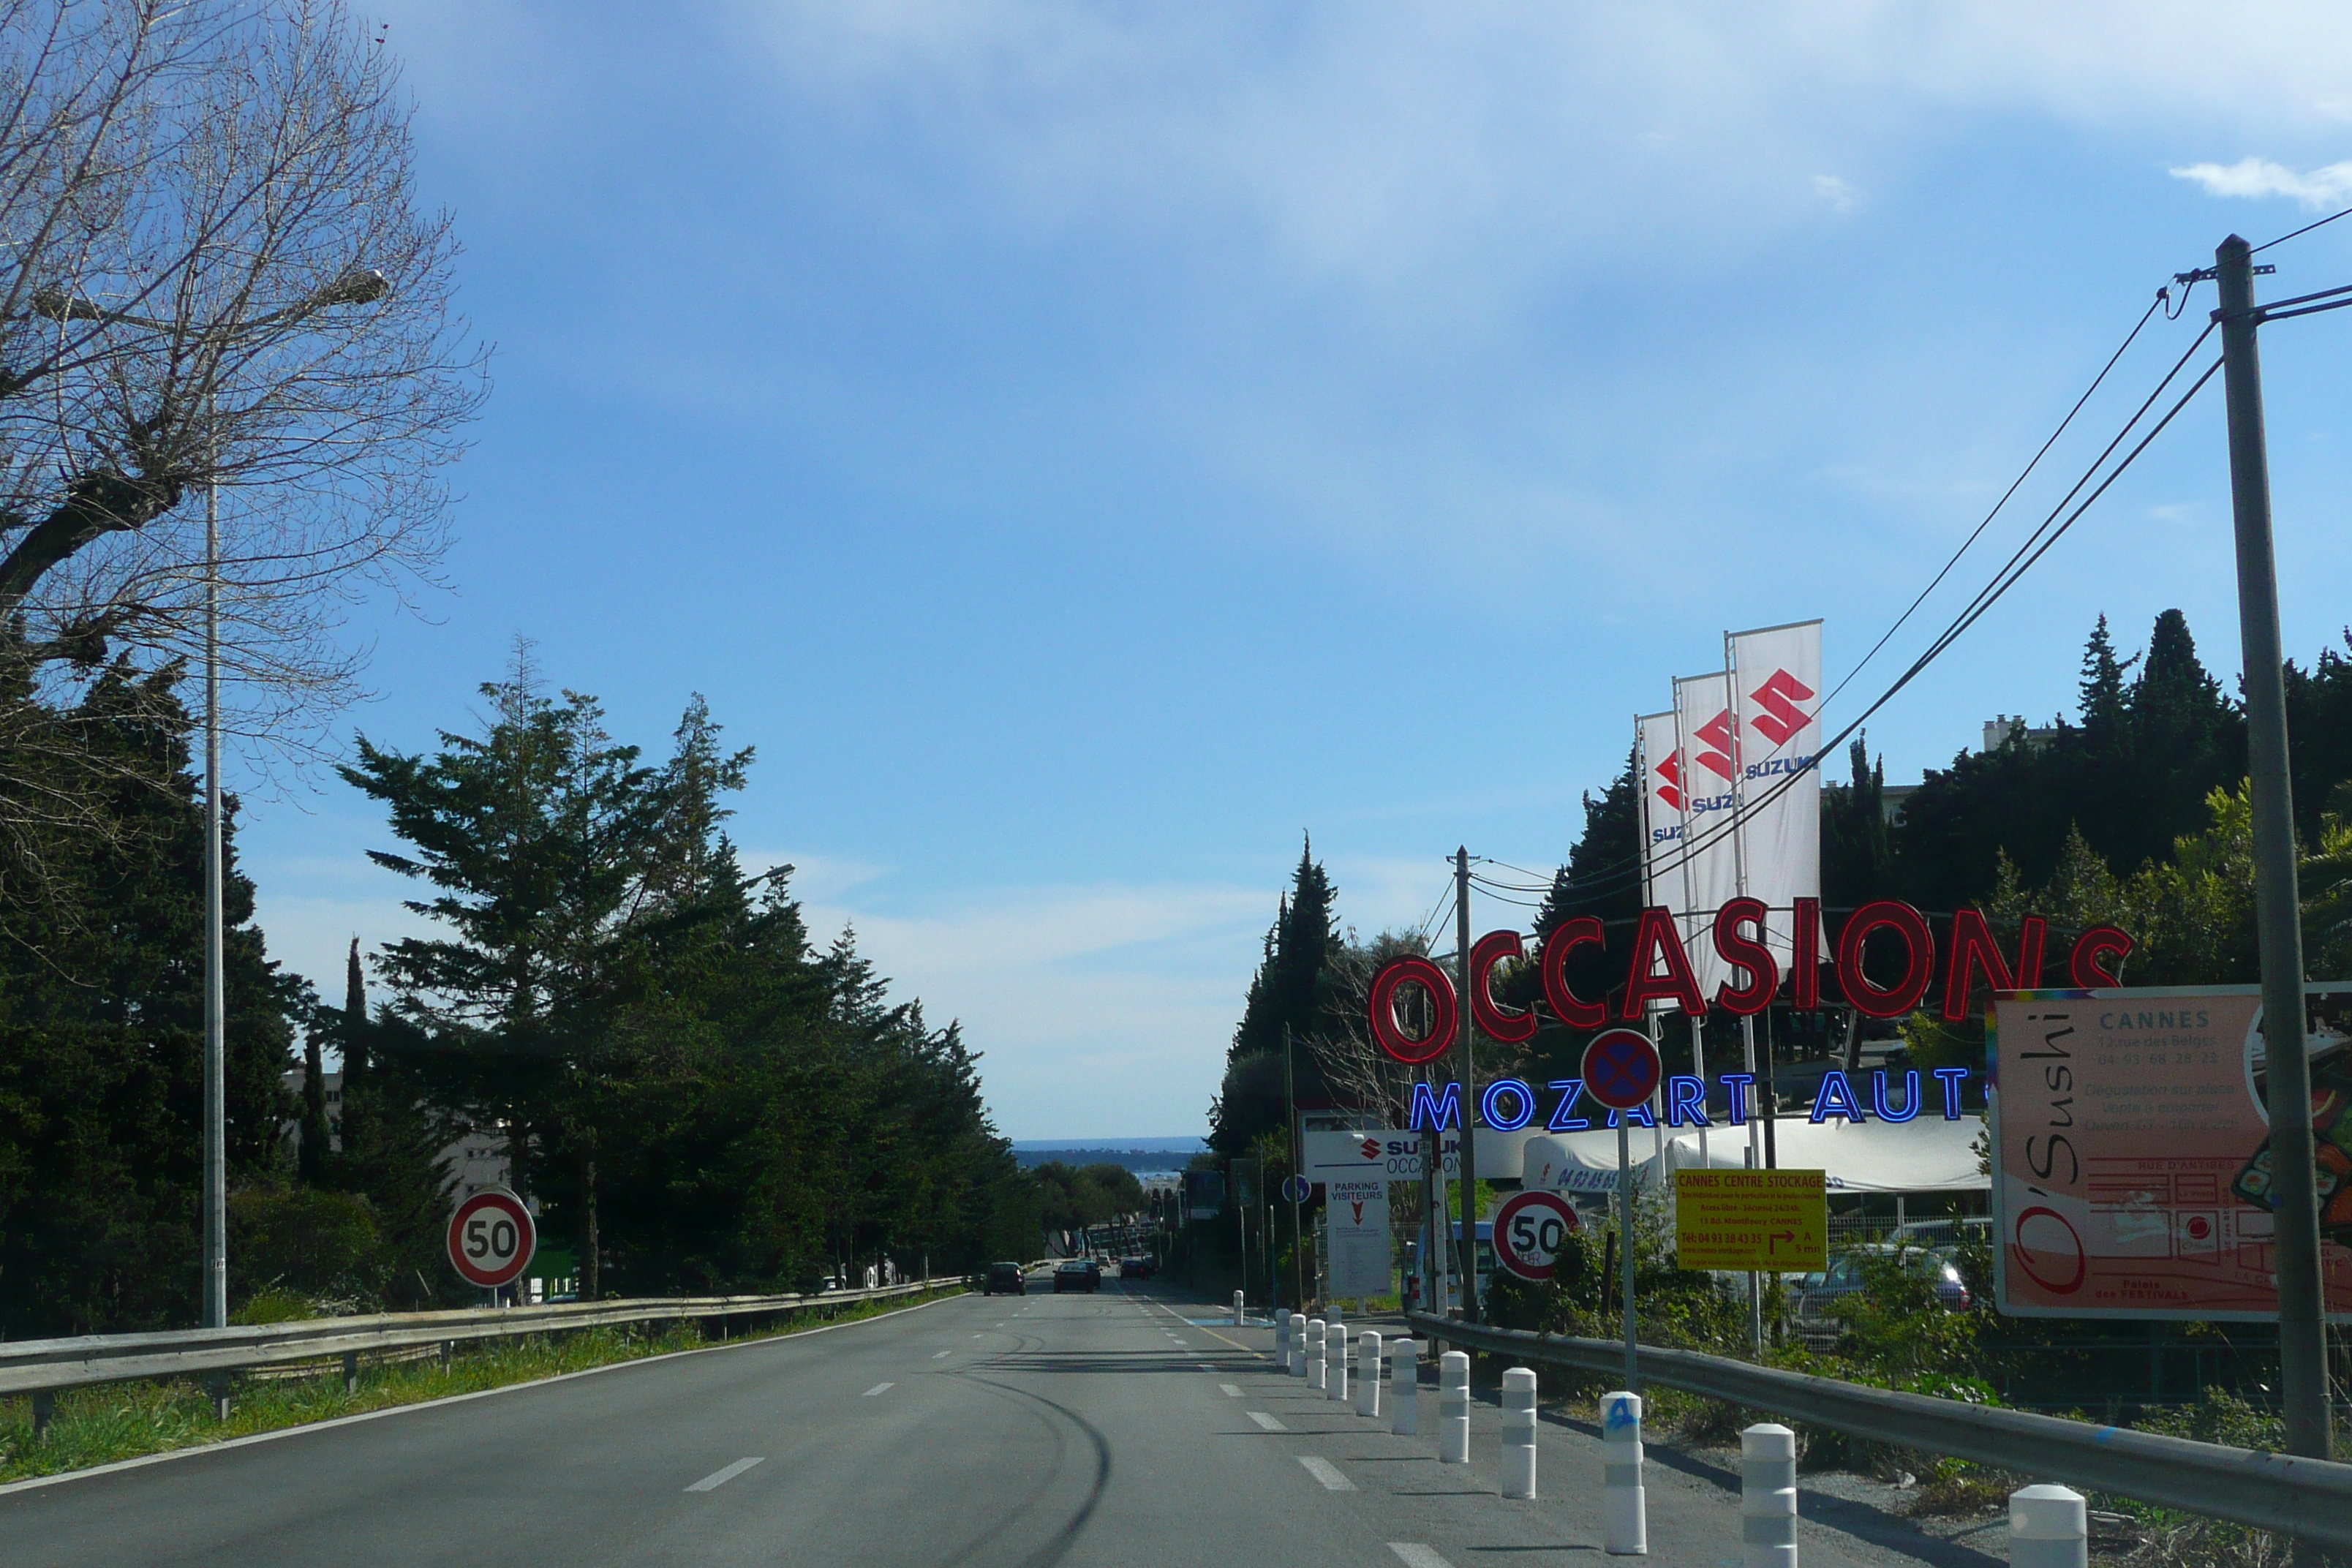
(2048, 1525)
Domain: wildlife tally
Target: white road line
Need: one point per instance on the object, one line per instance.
(944, 1355)
(1417, 1555)
(1327, 1472)
(1204, 1366)
(717, 1479)
(879, 1388)
(1230, 1391)
(1268, 1422)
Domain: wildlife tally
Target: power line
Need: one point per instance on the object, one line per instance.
(2037, 544)
(2162, 295)
(2297, 234)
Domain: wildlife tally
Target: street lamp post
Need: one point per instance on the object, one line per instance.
(360, 286)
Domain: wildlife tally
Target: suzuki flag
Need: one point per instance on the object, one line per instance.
(1662, 808)
(1775, 685)
(1702, 874)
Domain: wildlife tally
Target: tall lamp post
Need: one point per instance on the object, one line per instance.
(360, 286)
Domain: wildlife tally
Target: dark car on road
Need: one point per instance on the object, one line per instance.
(1077, 1274)
(1005, 1280)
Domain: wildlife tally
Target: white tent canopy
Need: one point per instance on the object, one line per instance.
(1929, 1155)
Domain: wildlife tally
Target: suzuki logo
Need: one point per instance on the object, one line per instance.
(1778, 695)
(1671, 791)
(1716, 734)
(1370, 1147)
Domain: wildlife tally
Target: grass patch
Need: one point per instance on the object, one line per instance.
(125, 1420)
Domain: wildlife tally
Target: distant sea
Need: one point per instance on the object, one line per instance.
(1137, 1155)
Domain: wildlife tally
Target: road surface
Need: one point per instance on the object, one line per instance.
(1074, 1429)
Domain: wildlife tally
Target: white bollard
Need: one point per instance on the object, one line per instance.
(1454, 1408)
(1404, 1388)
(1624, 1513)
(1239, 1310)
(1767, 1495)
(1519, 1432)
(1367, 1373)
(1335, 1382)
(1282, 1338)
(1317, 1346)
(1297, 1344)
(2048, 1528)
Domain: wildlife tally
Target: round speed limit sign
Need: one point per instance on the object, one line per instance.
(491, 1239)
(1532, 1229)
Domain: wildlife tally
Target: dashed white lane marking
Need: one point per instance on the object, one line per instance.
(717, 1479)
(944, 1355)
(1204, 1366)
(1230, 1391)
(878, 1388)
(1417, 1555)
(1327, 1472)
(1268, 1422)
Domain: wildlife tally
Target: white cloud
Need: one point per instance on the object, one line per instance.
(1375, 140)
(1100, 1010)
(1834, 190)
(2325, 187)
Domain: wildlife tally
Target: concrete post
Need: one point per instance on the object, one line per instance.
(1335, 1339)
(1767, 1495)
(1519, 1432)
(1316, 1348)
(44, 1408)
(2048, 1528)
(1298, 1345)
(1454, 1408)
(1239, 1312)
(1404, 1388)
(1282, 1338)
(1624, 1510)
(350, 1371)
(1367, 1373)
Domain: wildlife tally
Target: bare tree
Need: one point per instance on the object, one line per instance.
(215, 288)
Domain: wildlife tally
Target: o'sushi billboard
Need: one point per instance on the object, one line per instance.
(2131, 1157)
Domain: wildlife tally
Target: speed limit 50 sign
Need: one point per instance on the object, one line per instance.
(1531, 1230)
(491, 1239)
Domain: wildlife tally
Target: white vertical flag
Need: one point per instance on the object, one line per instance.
(1775, 686)
(1706, 758)
(1662, 808)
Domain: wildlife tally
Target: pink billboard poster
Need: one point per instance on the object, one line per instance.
(2130, 1146)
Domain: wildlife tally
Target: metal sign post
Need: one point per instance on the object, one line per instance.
(1622, 1071)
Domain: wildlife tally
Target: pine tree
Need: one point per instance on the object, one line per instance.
(2104, 702)
(1290, 999)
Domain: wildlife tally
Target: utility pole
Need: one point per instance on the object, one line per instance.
(1470, 1303)
(215, 1195)
(1298, 1176)
(2278, 914)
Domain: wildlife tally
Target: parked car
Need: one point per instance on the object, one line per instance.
(1077, 1274)
(1848, 1271)
(1943, 1232)
(1005, 1280)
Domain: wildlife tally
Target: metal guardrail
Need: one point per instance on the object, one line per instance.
(2309, 1498)
(43, 1366)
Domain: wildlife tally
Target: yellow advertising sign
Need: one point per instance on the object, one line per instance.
(1774, 1221)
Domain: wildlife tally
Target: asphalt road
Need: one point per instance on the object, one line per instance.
(1074, 1429)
